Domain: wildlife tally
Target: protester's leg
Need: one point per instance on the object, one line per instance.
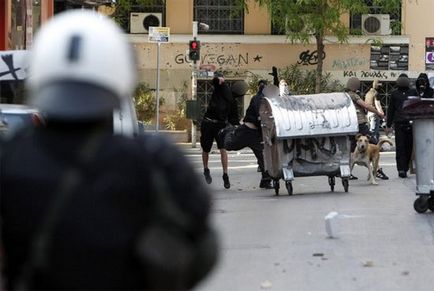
(402, 146)
(223, 155)
(224, 159)
(206, 140)
(376, 130)
(374, 125)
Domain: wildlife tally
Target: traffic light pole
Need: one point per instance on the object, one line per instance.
(194, 88)
(157, 124)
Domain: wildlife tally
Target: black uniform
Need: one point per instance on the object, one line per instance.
(403, 130)
(95, 241)
(221, 111)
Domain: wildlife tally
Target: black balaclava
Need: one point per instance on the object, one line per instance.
(422, 83)
(261, 85)
(403, 81)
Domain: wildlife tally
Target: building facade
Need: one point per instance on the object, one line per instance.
(239, 44)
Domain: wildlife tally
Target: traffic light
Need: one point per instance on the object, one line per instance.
(194, 52)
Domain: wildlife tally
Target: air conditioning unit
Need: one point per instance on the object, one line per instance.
(140, 21)
(376, 24)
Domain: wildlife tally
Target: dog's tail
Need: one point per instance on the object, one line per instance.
(386, 140)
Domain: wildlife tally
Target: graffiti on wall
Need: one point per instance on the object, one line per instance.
(349, 63)
(8, 60)
(310, 58)
(234, 60)
(385, 75)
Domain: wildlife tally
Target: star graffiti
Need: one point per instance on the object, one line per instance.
(257, 58)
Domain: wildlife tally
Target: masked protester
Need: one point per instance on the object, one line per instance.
(219, 113)
(423, 87)
(249, 134)
(82, 208)
(399, 120)
(352, 88)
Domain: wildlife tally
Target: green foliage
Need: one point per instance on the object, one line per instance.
(145, 102)
(300, 81)
(176, 120)
(302, 19)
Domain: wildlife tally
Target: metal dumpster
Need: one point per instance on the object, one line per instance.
(421, 111)
(307, 135)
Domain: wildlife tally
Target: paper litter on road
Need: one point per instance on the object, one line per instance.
(266, 284)
(331, 222)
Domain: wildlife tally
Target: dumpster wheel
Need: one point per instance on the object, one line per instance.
(431, 203)
(276, 186)
(345, 183)
(420, 204)
(288, 185)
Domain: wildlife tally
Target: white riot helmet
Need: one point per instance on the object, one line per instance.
(81, 66)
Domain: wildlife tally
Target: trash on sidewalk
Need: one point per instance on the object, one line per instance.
(368, 263)
(331, 224)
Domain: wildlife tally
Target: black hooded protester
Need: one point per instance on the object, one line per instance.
(401, 123)
(249, 134)
(220, 112)
(423, 87)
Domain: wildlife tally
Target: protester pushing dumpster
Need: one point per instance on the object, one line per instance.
(421, 111)
(307, 135)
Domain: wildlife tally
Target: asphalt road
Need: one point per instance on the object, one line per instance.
(273, 242)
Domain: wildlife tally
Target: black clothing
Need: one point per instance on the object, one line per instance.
(252, 112)
(222, 109)
(245, 136)
(94, 241)
(395, 114)
(403, 130)
(404, 145)
(423, 87)
(209, 131)
(219, 107)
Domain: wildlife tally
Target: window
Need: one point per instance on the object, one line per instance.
(222, 16)
(395, 18)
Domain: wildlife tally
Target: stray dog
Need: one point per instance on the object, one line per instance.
(368, 155)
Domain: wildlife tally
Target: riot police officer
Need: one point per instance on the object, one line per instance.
(82, 208)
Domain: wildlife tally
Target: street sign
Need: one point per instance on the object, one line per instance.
(204, 74)
(159, 34)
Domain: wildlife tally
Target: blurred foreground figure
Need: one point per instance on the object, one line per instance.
(82, 208)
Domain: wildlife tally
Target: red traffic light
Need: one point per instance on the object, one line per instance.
(194, 52)
(194, 44)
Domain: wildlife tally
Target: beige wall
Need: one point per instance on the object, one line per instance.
(418, 25)
(179, 16)
(257, 20)
(235, 57)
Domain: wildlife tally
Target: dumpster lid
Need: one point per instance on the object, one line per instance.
(419, 108)
(325, 114)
